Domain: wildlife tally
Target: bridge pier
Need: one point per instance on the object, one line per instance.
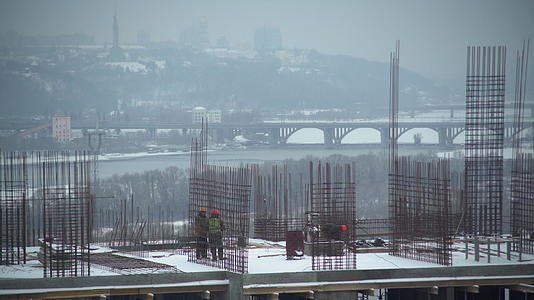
(328, 134)
(152, 133)
(384, 137)
(219, 136)
(274, 136)
(442, 136)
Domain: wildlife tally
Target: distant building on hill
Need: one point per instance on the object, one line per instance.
(200, 113)
(61, 129)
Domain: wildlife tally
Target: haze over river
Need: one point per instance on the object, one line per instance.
(133, 164)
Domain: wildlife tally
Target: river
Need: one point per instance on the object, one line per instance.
(132, 164)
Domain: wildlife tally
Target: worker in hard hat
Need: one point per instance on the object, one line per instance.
(216, 228)
(201, 233)
(334, 231)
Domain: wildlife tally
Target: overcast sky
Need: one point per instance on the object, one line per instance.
(434, 34)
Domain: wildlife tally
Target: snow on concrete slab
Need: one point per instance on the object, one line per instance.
(176, 260)
(268, 257)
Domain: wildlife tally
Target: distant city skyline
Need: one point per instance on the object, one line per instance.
(433, 34)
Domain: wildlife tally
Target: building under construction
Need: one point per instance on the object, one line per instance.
(442, 238)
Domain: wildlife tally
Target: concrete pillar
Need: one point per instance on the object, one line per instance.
(477, 250)
(446, 293)
(466, 248)
(219, 135)
(273, 296)
(442, 136)
(328, 134)
(274, 136)
(152, 132)
(489, 250)
(384, 137)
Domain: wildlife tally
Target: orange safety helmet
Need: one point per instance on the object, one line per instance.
(203, 209)
(343, 228)
(214, 211)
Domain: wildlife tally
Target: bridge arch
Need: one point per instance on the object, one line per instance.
(362, 136)
(459, 137)
(305, 135)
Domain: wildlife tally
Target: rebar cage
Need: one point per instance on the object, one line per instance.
(523, 202)
(333, 211)
(219, 210)
(522, 188)
(278, 205)
(419, 211)
(227, 190)
(13, 194)
(484, 134)
(66, 195)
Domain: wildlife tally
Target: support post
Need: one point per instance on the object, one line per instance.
(477, 249)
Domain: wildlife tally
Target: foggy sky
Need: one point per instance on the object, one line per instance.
(433, 34)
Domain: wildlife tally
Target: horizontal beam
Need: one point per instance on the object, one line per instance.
(262, 289)
(98, 291)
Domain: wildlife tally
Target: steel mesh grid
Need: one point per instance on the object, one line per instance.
(367, 229)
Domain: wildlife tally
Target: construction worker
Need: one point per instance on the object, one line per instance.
(334, 231)
(216, 228)
(201, 233)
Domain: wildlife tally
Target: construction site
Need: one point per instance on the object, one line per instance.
(268, 233)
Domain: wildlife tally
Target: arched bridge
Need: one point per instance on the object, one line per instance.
(335, 132)
(280, 132)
